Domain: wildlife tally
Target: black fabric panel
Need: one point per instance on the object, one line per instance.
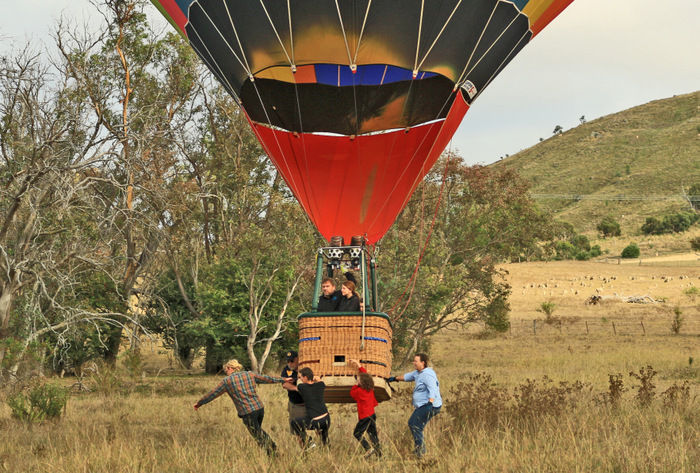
(482, 69)
(396, 24)
(460, 37)
(217, 45)
(353, 14)
(325, 108)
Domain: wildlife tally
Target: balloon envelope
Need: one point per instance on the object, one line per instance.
(354, 100)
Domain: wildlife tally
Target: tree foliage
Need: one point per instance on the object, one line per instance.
(608, 227)
(486, 217)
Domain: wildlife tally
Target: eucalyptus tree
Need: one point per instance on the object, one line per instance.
(50, 146)
(141, 88)
(484, 217)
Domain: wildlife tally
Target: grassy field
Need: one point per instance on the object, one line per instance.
(518, 402)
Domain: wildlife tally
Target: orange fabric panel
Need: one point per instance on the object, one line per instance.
(551, 13)
(305, 74)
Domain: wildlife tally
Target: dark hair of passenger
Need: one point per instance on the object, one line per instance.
(306, 372)
(351, 286)
(330, 280)
(366, 381)
(423, 357)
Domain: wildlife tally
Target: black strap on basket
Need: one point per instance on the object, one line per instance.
(371, 362)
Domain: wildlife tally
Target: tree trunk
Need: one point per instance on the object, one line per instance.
(250, 349)
(213, 359)
(6, 299)
(113, 341)
(185, 356)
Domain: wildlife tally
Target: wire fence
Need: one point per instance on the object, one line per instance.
(689, 325)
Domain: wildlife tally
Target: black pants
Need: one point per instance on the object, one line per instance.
(321, 426)
(369, 425)
(253, 423)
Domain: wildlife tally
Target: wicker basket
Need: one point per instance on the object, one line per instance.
(328, 340)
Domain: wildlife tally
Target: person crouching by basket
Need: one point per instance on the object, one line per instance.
(363, 394)
(317, 418)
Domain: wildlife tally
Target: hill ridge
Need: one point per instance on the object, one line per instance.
(651, 149)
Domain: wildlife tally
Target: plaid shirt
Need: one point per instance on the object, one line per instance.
(241, 387)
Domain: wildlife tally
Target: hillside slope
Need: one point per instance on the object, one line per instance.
(647, 151)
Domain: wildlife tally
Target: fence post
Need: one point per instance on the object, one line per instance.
(559, 326)
(534, 326)
(641, 322)
(587, 332)
(614, 329)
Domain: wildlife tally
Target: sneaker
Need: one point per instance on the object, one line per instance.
(369, 453)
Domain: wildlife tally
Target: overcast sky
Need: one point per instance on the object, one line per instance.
(596, 58)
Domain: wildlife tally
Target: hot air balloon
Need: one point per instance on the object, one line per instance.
(354, 101)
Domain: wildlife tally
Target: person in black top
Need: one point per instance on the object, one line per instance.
(317, 417)
(330, 297)
(350, 302)
(295, 407)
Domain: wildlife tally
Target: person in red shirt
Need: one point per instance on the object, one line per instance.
(363, 394)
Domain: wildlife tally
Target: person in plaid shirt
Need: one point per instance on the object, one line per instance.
(240, 386)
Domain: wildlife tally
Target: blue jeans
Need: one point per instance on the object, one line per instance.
(417, 422)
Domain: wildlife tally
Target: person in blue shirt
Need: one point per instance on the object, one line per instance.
(426, 399)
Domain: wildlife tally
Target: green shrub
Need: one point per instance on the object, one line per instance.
(677, 321)
(583, 256)
(608, 227)
(564, 250)
(45, 401)
(497, 315)
(695, 243)
(674, 223)
(595, 251)
(547, 308)
(581, 242)
(631, 251)
(652, 226)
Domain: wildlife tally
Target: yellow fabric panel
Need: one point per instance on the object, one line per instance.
(535, 8)
(303, 75)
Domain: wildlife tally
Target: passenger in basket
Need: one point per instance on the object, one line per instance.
(330, 297)
(350, 300)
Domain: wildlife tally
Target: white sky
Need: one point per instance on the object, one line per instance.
(596, 58)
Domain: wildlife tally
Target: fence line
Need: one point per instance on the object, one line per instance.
(616, 327)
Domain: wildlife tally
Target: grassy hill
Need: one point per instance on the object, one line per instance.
(649, 150)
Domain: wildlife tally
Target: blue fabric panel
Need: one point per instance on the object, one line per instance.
(376, 339)
(372, 74)
(310, 339)
(521, 3)
(184, 6)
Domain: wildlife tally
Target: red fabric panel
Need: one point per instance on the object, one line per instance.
(554, 9)
(357, 186)
(175, 14)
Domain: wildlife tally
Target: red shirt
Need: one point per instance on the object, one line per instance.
(366, 401)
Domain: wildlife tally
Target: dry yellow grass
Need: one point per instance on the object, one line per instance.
(151, 427)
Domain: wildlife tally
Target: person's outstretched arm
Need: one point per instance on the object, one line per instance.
(265, 379)
(218, 391)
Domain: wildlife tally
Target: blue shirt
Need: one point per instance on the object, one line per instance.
(427, 386)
